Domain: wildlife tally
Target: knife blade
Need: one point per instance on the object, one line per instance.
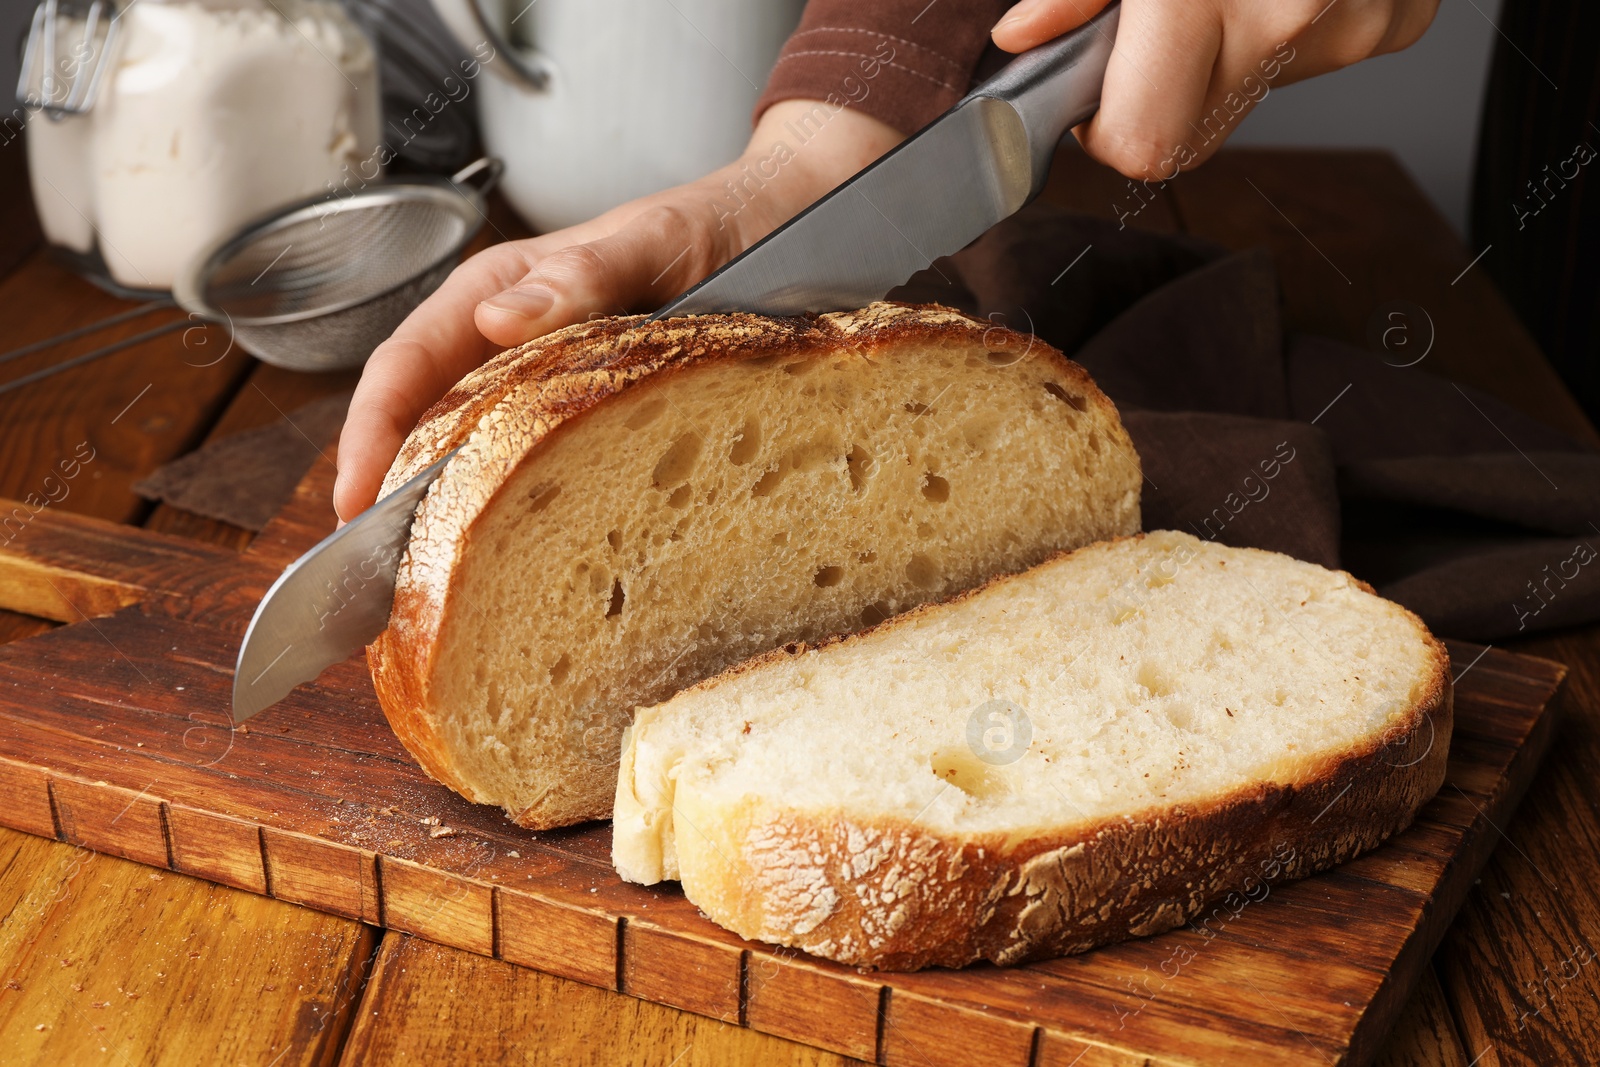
(932, 195)
(329, 602)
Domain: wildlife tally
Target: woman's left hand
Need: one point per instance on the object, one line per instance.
(1184, 73)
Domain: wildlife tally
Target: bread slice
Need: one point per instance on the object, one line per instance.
(1092, 750)
(636, 506)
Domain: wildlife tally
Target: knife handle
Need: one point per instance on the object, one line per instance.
(1056, 85)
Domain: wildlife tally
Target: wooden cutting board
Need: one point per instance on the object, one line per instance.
(114, 736)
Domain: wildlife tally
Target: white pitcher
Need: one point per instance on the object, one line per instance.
(591, 103)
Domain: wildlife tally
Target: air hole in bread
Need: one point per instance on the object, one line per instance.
(1072, 400)
(916, 408)
(876, 612)
(868, 556)
(964, 770)
(617, 597)
(1096, 445)
(814, 455)
(828, 576)
(860, 464)
(1155, 680)
(781, 537)
(1179, 714)
(935, 488)
(768, 481)
(677, 463)
(922, 572)
(560, 669)
(747, 444)
(1001, 357)
(541, 496)
(614, 539)
(680, 497)
(801, 366)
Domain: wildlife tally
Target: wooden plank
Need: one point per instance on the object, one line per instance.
(817, 1001)
(1518, 965)
(1425, 1034)
(935, 1032)
(703, 974)
(438, 906)
(102, 955)
(66, 567)
(413, 1005)
(1350, 233)
(14, 626)
(322, 875)
(568, 942)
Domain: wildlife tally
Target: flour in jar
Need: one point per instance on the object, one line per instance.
(212, 114)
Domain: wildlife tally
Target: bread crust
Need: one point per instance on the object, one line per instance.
(502, 415)
(887, 894)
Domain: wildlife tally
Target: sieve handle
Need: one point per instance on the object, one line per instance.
(480, 176)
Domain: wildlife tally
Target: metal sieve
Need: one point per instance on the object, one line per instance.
(317, 285)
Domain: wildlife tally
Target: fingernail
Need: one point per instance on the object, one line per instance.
(529, 301)
(1018, 13)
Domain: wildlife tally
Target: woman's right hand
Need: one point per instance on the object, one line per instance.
(634, 257)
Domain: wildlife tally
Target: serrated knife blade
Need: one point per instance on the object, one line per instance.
(329, 602)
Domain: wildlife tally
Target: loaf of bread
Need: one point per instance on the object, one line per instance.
(1092, 750)
(636, 506)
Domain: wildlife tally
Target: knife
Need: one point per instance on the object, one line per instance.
(935, 193)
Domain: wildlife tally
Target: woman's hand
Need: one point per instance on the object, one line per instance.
(634, 257)
(1185, 72)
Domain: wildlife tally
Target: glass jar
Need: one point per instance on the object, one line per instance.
(209, 114)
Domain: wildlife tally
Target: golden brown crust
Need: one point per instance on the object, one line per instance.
(499, 416)
(887, 894)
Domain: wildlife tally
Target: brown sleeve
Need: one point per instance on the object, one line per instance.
(901, 61)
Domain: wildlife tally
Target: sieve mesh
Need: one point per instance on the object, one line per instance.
(318, 286)
(320, 263)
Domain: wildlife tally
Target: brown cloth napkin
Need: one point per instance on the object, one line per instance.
(247, 477)
(1477, 517)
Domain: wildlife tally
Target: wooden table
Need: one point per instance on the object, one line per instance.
(140, 966)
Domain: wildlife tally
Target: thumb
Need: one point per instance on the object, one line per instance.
(650, 259)
(1033, 22)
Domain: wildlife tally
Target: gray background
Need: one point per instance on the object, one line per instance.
(1421, 104)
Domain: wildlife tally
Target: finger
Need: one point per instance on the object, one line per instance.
(1033, 22)
(429, 352)
(1345, 32)
(1246, 71)
(1156, 81)
(653, 257)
